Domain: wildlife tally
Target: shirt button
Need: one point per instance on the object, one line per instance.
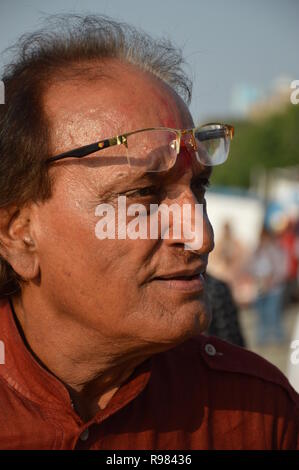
(85, 435)
(210, 349)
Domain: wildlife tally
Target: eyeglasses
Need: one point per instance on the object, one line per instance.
(156, 149)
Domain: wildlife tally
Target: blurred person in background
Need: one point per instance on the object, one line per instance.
(228, 257)
(289, 240)
(225, 313)
(268, 267)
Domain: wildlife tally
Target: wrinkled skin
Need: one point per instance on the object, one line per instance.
(100, 302)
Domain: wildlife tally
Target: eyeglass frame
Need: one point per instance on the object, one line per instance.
(227, 130)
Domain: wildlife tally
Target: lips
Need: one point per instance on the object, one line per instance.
(191, 281)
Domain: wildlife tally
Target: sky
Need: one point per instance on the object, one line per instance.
(229, 45)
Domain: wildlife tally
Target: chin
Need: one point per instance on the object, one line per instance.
(199, 325)
(187, 324)
(165, 323)
(194, 316)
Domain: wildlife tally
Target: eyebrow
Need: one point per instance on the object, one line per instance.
(123, 183)
(154, 177)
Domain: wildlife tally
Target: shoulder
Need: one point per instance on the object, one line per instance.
(224, 363)
(220, 355)
(233, 395)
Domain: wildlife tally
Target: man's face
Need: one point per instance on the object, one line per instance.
(130, 292)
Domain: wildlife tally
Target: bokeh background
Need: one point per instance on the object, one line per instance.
(242, 57)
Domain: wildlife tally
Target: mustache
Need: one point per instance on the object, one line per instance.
(190, 256)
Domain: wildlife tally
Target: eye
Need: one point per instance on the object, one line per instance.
(149, 191)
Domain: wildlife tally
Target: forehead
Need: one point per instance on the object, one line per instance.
(119, 99)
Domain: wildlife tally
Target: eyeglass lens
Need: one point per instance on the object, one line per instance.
(156, 150)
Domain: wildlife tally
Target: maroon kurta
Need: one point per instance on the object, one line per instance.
(204, 394)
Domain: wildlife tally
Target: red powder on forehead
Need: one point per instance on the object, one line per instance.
(173, 114)
(168, 113)
(169, 108)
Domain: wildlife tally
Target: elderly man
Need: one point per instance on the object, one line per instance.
(102, 336)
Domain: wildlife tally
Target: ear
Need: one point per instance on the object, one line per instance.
(17, 244)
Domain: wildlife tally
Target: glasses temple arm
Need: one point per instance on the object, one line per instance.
(84, 151)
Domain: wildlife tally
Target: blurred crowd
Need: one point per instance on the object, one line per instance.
(265, 278)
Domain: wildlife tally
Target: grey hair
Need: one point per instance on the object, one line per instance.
(43, 56)
(74, 38)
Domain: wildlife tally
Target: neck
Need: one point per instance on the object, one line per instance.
(91, 368)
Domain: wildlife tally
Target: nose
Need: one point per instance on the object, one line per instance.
(189, 225)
